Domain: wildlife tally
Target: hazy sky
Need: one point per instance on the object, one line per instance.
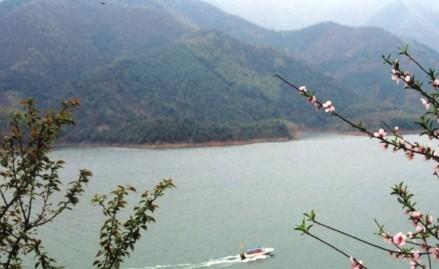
(293, 14)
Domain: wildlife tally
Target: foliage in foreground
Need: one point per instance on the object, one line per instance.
(117, 238)
(420, 247)
(32, 195)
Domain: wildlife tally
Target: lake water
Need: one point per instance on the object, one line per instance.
(253, 194)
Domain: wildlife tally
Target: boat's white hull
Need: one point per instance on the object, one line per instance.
(264, 252)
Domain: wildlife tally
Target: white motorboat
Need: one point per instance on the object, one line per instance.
(255, 252)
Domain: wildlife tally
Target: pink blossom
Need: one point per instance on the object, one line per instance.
(328, 106)
(429, 219)
(355, 264)
(380, 134)
(312, 99)
(399, 239)
(395, 76)
(436, 83)
(435, 253)
(415, 214)
(302, 89)
(425, 103)
(415, 255)
(420, 229)
(413, 264)
(408, 78)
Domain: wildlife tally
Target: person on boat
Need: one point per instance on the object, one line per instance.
(242, 255)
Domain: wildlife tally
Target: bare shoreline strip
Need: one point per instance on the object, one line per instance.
(230, 143)
(176, 145)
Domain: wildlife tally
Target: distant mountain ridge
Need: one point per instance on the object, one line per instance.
(413, 20)
(165, 71)
(351, 55)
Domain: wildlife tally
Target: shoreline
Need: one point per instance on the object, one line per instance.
(306, 134)
(178, 145)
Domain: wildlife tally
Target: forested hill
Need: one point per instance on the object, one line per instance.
(220, 86)
(46, 43)
(165, 71)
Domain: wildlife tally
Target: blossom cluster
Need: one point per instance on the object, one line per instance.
(398, 76)
(425, 229)
(328, 106)
(380, 133)
(410, 148)
(406, 77)
(416, 246)
(413, 256)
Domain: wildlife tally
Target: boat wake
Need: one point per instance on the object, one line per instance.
(221, 262)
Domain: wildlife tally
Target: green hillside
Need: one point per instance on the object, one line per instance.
(164, 71)
(205, 78)
(46, 43)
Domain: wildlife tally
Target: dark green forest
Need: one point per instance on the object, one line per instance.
(170, 131)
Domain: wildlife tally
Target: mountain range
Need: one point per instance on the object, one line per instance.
(166, 71)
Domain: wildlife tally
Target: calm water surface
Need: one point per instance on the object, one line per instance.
(253, 194)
